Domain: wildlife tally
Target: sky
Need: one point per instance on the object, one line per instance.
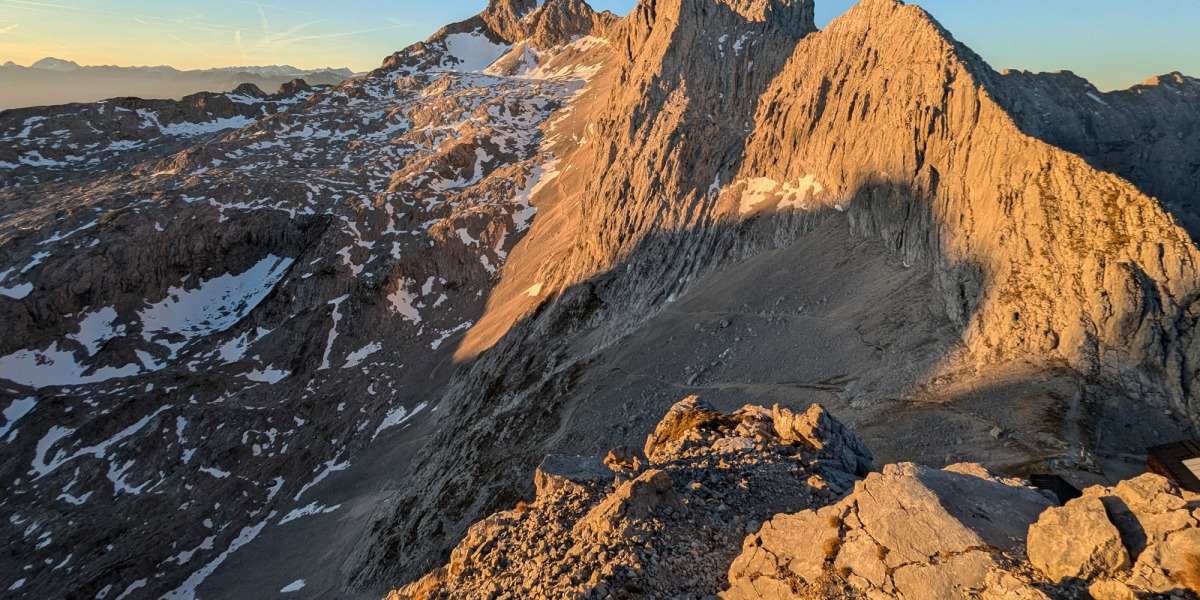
(1114, 43)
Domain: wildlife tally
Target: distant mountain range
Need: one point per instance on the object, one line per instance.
(51, 81)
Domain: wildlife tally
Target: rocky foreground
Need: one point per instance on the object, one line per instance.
(767, 503)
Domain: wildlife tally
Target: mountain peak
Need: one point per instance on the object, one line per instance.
(795, 16)
(546, 23)
(55, 64)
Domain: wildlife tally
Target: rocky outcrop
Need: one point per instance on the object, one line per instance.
(909, 532)
(665, 530)
(1093, 549)
(916, 532)
(906, 532)
(1142, 534)
(544, 23)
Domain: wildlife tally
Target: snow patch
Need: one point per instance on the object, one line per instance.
(294, 586)
(54, 366)
(355, 358)
(14, 412)
(471, 52)
(17, 292)
(758, 190)
(214, 306)
(397, 416)
(267, 375)
(187, 590)
(403, 301)
(312, 509)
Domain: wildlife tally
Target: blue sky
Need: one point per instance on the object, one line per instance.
(1115, 43)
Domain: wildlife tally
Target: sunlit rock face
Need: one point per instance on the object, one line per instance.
(365, 313)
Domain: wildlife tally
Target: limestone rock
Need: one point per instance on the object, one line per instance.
(1171, 564)
(633, 500)
(1004, 586)
(686, 421)
(625, 458)
(953, 577)
(1110, 589)
(560, 475)
(1077, 541)
(832, 440)
(909, 531)
(672, 530)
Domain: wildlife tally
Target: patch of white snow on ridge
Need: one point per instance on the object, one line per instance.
(14, 412)
(216, 305)
(758, 190)
(397, 416)
(471, 52)
(435, 344)
(333, 332)
(294, 586)
(97, 328)
(17, 292)
(187, 590)
(194, 129)
(538, 178)
(44, 463)
(404, 301)
(355, 358)
(267, 375)
(312, 509)
(55, 366)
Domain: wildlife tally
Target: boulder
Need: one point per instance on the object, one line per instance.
(790, 546)
(1077, 541)
(1110, 589)
(833, 441)
(909, 531)
(918, 512)
(632, 501)
(625, 458)
(687, 421)
(1005, 586)
(1171, 564)
(953, 577)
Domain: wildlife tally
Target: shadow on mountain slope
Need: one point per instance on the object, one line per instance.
(795, 308)
(1148, 134)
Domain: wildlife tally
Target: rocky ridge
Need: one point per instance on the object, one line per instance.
(48, 144)
(663, 521)
(816, 522)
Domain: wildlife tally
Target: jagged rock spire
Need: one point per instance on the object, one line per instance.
(794, 16)
(546, 23)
